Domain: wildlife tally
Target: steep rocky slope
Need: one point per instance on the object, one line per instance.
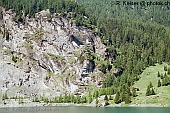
(47, 55)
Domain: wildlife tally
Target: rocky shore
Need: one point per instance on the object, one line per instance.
(37, 104)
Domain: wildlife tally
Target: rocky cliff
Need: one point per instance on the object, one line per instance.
(47, 55)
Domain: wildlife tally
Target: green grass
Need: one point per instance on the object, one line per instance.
(162, 93)
(57, 58)
(77, 52)
(71, 60)
(7, 51)
(64, 68)
(35, 35)
(54, 78)
(27, 44)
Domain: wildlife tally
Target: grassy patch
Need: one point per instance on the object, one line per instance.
(77, 52)
(91, 86)
(54, 76)
(57, 58)
(8, 51)
(81, 59)
(27, 44)
(71, 60)
(64, 68)
(150, 75)
(35, 35)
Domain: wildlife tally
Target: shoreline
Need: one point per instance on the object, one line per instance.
(33, 104)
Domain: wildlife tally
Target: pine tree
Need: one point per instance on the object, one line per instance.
(117, 100)
(83, 100)
(21, 100)
(55, 100)
(122, 96)
(148, 92)
(78, 99)
(69, 98)
(14, 58)
(150, 85)
(96, 94)
(163, 82)
(3, 97)
(46, 100)
(159, 83)
(75, 100)
(106, 97)
(134, 92)
(127, 89)
(101, 91)
(110, 97)
(90, 99)
(159, 74)
(168, 71)
(167, 80)
(106, 102)
(127, 99)
(152, 92)
(111, 90)
(165, 75)
(162, 76)
(97, 101)
(165, 68)
(60, 99)
(65, 99)
(16, 97)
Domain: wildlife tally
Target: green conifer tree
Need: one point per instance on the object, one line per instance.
(167, 80)
(159, 74)
(165, 68)
(106, 97)
(110, 97)
(78, 99)
(106, 102)
(148, 92)
(162, 76)
(127, 99)
(60, 99)
(163, 82)
(3, 97)
(96, 94)
(90, 99)
(159, 83)
(134, 92)
(117, 100)
(165, 75)
(122, 96)
(97, 101)
(168, 71)
(150, 85)
(152, 92)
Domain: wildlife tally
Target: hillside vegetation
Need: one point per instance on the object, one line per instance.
(146, 13)
(136, 37)
(150, 74)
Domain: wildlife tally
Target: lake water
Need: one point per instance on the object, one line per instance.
(86, 110)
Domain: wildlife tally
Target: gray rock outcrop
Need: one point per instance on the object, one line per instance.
(48, 58)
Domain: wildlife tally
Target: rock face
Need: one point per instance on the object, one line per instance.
(46, 56)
